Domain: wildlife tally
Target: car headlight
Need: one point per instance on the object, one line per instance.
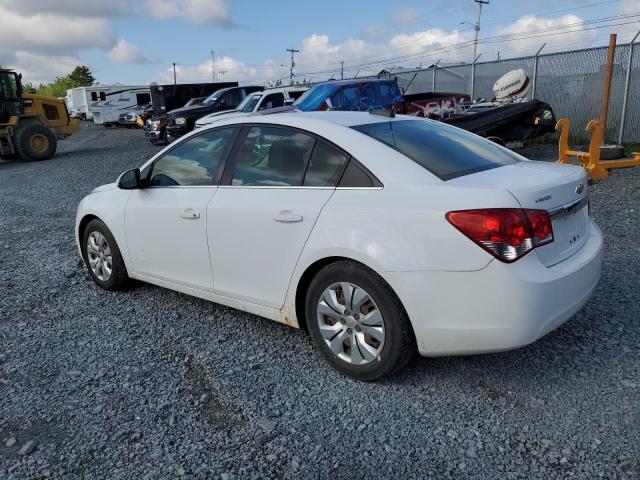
(181, 121)
(155, 124)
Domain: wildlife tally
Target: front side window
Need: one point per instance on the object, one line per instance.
(273, 100)
(193, 162)
(272, 156)
(94, 96)
(443, 150)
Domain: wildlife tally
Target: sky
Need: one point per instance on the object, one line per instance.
(136, 41)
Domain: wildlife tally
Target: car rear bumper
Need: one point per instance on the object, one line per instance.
(501, 307)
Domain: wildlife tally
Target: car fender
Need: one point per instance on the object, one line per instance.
(107, 203)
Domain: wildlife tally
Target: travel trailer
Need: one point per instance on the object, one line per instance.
(107, 102)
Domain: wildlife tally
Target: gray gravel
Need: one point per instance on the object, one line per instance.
(155, 384)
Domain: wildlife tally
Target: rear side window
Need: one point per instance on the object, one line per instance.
(444, 151)
(325, 166)
(272, 156)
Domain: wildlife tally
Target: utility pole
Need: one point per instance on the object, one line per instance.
(498, 55)
(292, 50)
(342, 69)
(174, 73)
(213, 68)
(222, 72)
(477, 26)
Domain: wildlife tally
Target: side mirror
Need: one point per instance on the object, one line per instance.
(129, 180)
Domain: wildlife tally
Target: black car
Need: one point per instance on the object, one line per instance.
(182, 120)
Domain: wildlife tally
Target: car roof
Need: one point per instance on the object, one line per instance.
(346, 119)
(354, 81)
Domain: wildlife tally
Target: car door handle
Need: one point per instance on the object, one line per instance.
(190, 214)
(287, 216)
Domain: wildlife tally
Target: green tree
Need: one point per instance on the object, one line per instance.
(81, 76)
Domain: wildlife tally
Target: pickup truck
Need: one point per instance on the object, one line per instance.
(182, 120)
(364, 94)
(155, 127)
(256, 102)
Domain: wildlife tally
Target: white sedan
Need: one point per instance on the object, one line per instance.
(380, 235)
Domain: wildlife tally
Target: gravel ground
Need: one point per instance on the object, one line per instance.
(155, 384)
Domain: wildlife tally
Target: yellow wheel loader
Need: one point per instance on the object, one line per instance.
(30, 125)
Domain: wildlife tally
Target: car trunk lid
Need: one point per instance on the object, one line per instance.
(560, 189)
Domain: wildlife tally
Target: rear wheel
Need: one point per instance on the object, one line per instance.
(357, 323)
(34, 141)
(102, 257)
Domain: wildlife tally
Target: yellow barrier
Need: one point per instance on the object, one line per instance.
(596, 169)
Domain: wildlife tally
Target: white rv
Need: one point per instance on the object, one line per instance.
(107, 102)
(77, 102)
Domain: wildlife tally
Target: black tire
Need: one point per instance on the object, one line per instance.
(399, 345)
(28, 136)
(119, 279)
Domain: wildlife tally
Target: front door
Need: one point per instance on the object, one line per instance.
(260, 221)
(166, 222)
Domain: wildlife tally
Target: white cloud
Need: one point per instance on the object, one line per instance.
(43, 42)
(76, 8)
(198, 11)
(37, 68)
(572, 24)
(52, 33)
(434, 39)
(125, 52)
(234, 70)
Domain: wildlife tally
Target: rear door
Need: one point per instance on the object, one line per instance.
(273, 191)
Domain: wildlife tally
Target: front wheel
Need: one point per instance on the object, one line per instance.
(34, 141)
(357, 323)
(102, 257)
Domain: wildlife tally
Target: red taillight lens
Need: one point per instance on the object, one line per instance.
(506, 233)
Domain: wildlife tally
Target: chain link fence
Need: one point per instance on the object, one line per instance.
(571, 82)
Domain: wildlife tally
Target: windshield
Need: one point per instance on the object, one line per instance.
(249, 103)
(445, 151)
(314, 98)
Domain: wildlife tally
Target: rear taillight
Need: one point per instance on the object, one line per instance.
(506, 233)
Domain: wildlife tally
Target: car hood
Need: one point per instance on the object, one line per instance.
(218, 116)
(190, 111)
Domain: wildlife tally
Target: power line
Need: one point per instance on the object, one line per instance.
(565, 29)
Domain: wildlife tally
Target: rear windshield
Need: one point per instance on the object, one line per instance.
(444, 151)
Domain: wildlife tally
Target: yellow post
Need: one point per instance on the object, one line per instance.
(593, 166)
(563, 145)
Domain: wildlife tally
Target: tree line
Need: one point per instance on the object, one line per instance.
(81, 76)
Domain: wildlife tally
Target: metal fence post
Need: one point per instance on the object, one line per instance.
(535, 72)
(473, 75)
(625, 96)
(435, 67)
